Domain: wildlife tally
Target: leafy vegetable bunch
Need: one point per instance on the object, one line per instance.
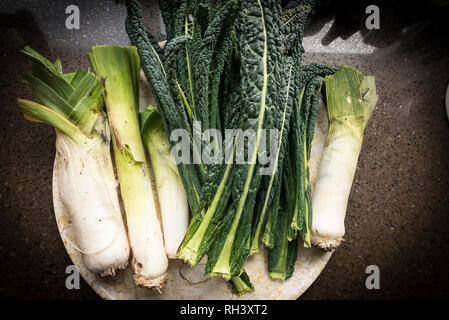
(237, 65)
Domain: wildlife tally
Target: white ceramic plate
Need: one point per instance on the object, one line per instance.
(189, 283)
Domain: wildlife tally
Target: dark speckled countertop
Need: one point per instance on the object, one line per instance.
(398, 212)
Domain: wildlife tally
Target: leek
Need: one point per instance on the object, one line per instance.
(119, 69)
(351, 98)
(170, 191)
(72, 103)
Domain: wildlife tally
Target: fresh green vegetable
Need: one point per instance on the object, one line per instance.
(119, 69)
(162, 79)
(170, 191)
(304, 117)
(216, 188)
(259, 56)
(72, 103)
(282, 257)
(180, 87)
(281, 231)
(351, 98)
(295, 18)
(273, 180)
(232, 64)
(241, 284)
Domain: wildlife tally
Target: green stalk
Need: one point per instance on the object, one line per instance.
(301, 157)
(165, 89)
(189, 68)
(282, 257)
(205, 225)
(119, 69)
(241, 284)
(231, 249)
(276, 175)
(311, 78)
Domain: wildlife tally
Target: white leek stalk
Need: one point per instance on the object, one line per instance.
(72, 103)
(170, 190)
(88, 189)
(351, 98)
(119, 68)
